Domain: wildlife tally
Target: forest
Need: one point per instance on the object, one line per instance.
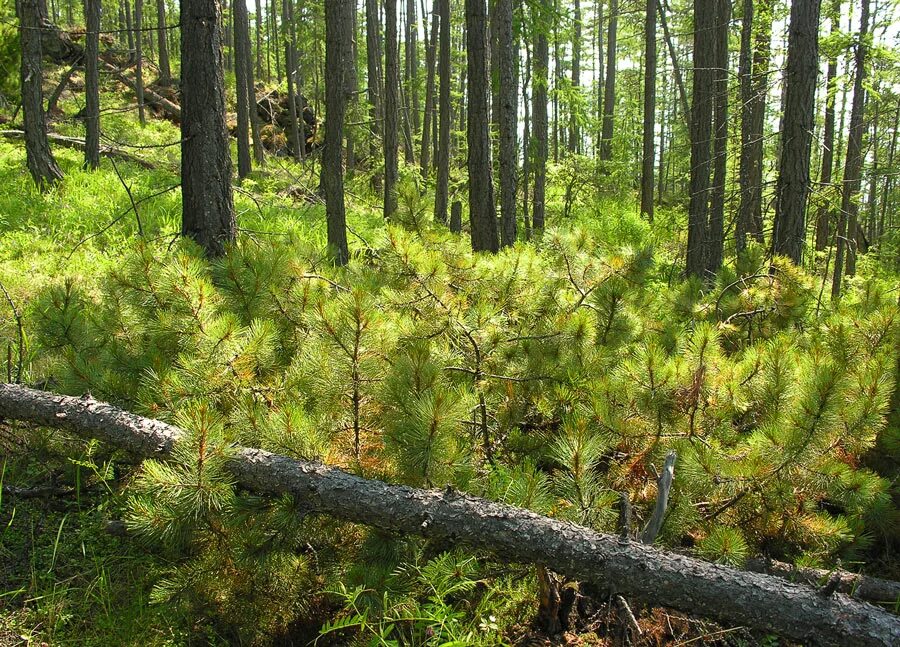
(450, 322)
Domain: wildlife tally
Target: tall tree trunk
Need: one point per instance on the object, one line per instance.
(508, 120)
(412, 67)
(648, 159)
(527, 146)
(207, 204)
(165, 71)
(609, 92)
(482, 213)
(574, 133)
(258, 28)
(373, 65)
(676, 66)
(442, 191)
(92, 84)
(38, 156)
(391, 107)
(557, 79)
(139, 58)
(338, 35)
(241, 67)
(757, 116)
(799, 122)
(430, 120)
(701, 133)
(853, 162)
(130, 27)
(824, 213)
(715, 237)
(353, 93)
(297, 134)
(598, 135)
(539, 98)
(745, 72)
(888, 180)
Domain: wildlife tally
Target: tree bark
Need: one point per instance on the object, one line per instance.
(442, 191)
(242, 63)
(799, 122)
(574, 133)
(701, 133)
(430, 119)
(715, 237)
(609, 90)
(92, 84)
(846, 235)
(508, 120)
(290, 68)
(631, 569)
(207, 202)
(38, 156)
(482, 212)
(258, 28)
(338, 34)
(165, 72)
(373, 64)
(824, 213)
(539, 116)
(391, 107)
(648, 159)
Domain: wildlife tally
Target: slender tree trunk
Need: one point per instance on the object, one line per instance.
(430, 120)
(258, 28)
(716, 235)
(38, 156)
(648, 159)
(757, 108)
(574, 133)
(412, 66)
(298, 142)
(609, 93)
(391, 107)
(508, 120)
(92, 84)
(888, 181)
(701, 133)
(527, 146)
(242, 64)
(130, 27)
(598, 135)
(207, 203)
(799, 122)
(676, 66)
(745, 72)
(539, 97)
(442, 192)
(853, 163)
(338, 35)
(353, 93)
(139, 58)
(824, 214)
(165, 72)
(373, 64)
(557, 79)
(482, 213)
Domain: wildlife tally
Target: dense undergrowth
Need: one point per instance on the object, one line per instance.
(554, 376)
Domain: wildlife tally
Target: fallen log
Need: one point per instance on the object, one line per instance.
(170, 109)
(78, 144)
(861, 587)
(633, 570)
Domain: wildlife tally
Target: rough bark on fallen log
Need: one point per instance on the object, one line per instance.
(78, 144)
(633, 570)
(861, 587)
